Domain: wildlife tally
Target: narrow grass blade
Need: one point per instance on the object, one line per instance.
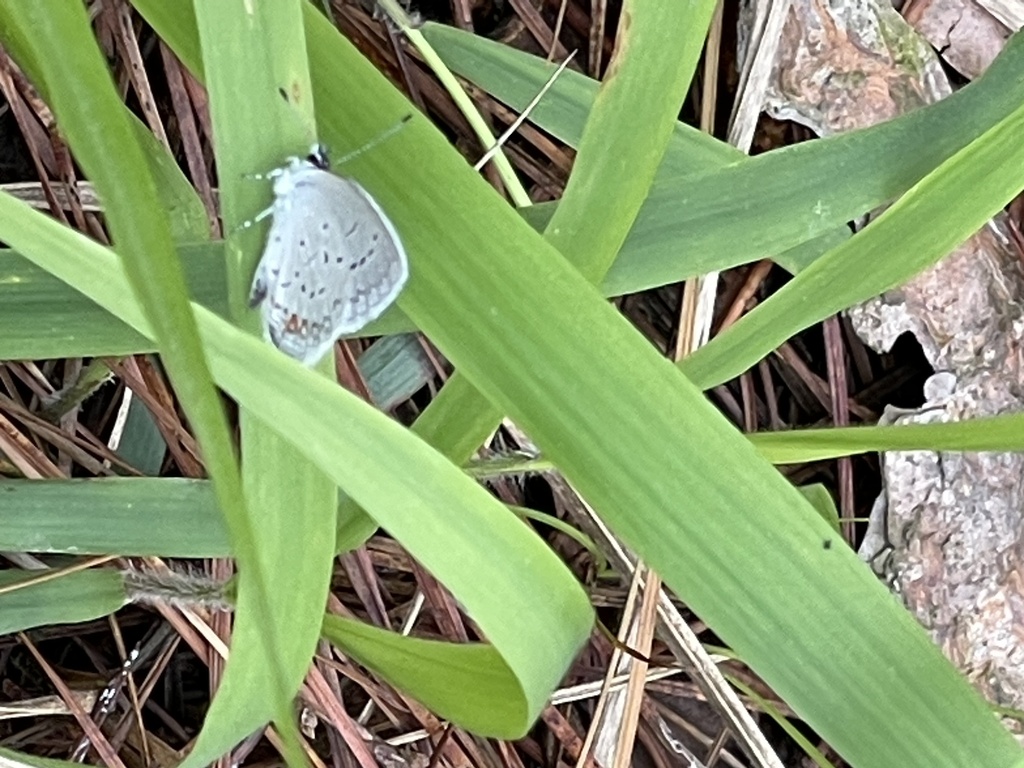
(26, 602)
(252, 55)
(924, 225)
(163, 517)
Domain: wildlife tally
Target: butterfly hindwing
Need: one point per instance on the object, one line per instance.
(367, 252)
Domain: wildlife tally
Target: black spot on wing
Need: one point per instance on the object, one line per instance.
(258, 294)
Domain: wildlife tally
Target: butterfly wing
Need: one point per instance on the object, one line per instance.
(333, 263)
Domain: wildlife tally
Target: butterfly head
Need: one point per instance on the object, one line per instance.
(319, 157)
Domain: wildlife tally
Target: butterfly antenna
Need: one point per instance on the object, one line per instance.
(522, 117)
(375, 141)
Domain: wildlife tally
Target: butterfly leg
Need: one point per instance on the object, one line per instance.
(276, 173)
(249, 223)
(271, 175)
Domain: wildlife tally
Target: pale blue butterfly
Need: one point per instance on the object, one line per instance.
(333, 261)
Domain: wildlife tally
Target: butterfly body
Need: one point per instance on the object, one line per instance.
(333, 261)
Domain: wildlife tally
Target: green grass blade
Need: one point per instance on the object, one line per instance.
(253, 54)
(657, 48)
(27, 602)
(468, 684)
(924, 225)
(44, 318)
(515, 77)
(163, 517)
(998, 433)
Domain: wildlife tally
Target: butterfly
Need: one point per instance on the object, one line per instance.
(333, 261)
